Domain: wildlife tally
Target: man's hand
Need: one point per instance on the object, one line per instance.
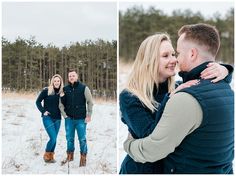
(88, 119)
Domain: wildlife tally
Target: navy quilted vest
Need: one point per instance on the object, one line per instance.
(210, 148)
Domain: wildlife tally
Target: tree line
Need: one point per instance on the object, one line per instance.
(28, 65)
(135, 24)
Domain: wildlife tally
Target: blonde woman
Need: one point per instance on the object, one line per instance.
(147, 89)
(51, 114)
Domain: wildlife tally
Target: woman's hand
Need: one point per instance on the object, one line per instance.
(214, 70)
(62, 94)
(46, 113)
(185, 85)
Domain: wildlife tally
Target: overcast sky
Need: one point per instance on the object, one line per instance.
(207, 8)
(63, 22)
(59, 22)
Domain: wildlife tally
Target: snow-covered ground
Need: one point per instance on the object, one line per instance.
(24, 140)
(124, 70)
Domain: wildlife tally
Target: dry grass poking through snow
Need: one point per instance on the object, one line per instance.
(33, 96)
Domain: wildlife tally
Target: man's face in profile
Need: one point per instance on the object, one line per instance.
(184, 54)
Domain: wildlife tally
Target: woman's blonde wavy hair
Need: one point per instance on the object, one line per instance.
(145, 71)
(51, 87)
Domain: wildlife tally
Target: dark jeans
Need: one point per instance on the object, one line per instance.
(52, 127)
(80, 126)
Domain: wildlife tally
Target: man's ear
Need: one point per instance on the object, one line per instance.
(194, 54)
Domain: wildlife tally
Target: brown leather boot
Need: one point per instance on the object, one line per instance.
(82, 159)
(70, 156)
(47, 156)
(52, 157)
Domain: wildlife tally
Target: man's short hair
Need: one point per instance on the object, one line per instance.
(72, 70)
(202, 34)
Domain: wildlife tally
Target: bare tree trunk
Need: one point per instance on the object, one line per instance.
(40, 72)
(107, 80)
(30, 76)
(19, 74)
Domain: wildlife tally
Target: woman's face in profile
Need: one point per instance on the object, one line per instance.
(56, 82)
(167, 61)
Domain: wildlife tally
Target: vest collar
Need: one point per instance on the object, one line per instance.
(194, 73)
(74, 85)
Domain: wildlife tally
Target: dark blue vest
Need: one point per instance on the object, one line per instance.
(210, 148)
(75, 101)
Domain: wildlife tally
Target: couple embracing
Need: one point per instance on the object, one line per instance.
(74, 102)
(179, 127)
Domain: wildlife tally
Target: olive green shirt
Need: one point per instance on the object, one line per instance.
(181, 116)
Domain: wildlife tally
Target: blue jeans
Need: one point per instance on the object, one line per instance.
(80, 126)
(52, 127)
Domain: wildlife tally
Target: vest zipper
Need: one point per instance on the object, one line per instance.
(73, 101)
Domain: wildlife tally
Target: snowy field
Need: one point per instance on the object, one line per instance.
(24, 140)
(123, 130)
